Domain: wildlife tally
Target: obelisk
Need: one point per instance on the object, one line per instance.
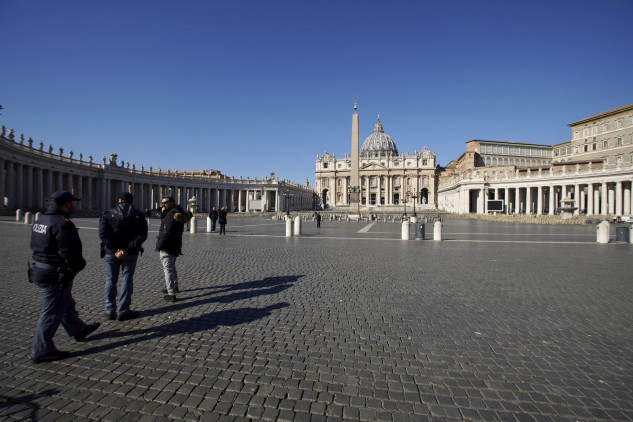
(354, 188)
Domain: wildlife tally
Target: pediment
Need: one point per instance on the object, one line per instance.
(373, 166)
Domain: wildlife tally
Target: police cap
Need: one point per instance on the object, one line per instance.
(62, 196)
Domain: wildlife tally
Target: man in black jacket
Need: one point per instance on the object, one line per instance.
(169, 243)
(122, 230)
(57, 252)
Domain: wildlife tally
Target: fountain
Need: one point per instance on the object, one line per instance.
(567, 208)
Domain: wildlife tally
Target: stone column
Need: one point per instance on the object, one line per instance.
(517, 200)
(627, 200)
(89, 202)
(528, 200)
(590, 210)
(104, 194)
(596, 202)
(618, 198)
(551, 200)
(10, 184)
(577, 198)
(2, 180)
(29, 187)
(19, 185)
(39, 187)
(539, 200)
(611, 201)
(80, 194)
(604, 202)
(48, 190)
(69, 183)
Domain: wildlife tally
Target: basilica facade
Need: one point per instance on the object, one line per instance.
(388, 179)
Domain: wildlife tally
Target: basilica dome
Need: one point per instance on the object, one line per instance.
(378, 143)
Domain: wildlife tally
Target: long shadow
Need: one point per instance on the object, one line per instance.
(24, 401)
(255, 284)
(187, 326)
(266, 286)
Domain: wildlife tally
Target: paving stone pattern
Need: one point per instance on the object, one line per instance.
(500, 321)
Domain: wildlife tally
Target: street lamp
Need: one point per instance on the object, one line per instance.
(414, 196)
(404, 203)
(287, 195)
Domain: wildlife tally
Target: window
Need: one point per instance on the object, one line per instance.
(425, 180)
(595, 146)
(618, 159)
(586, 148)
(576, 134)
(605, 144)
(396, 181)
(324, 182)
(618, 141)
(325, 165)
(594, 130)
(424, 162)
(585, 132)
(618, 124)
(340, 182)
(605, 127)
(372, 181)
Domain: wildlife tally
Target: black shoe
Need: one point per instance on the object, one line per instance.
(170, 298)
(58, 355)
(129, 315)
(111, 316)
(176, 290)
(86, 331)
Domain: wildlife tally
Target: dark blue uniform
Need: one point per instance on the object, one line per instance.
(57, 252)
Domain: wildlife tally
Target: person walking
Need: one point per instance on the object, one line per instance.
(213, 215)
(57, 251)
(222, 218)
(122, 230)
(169, 243)
(318, 220)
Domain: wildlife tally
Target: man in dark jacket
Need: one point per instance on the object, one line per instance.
(122, 230)
(213, 215)
(57, 252)
(169, 243)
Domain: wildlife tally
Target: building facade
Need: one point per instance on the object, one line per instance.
(387, 178)
(594, 169)
(29, 174)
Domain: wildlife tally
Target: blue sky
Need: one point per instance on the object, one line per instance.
(253, 87)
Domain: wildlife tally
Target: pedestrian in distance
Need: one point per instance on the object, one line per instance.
(169, 243)
(122, 231)
(318, 220)
(148, 215)
(222, 219)
(57, 251)
(213, 215)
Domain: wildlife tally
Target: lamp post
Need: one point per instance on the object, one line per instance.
(287, 195)
(413, 196)
(404, 203)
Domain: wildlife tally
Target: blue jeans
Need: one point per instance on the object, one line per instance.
(213, 225)
(113, 267)
(58, 307)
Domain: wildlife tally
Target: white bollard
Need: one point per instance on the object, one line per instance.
(405, 230)
(603, 232)
(208, 225)
(37, 215)
(28, 218)
(297, 226)
(288, 227)
(19, 215)
(631, 235)
(437, 230)
(192, 225)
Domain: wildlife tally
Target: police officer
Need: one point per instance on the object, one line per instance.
(57, 252)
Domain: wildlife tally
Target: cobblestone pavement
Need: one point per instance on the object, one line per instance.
(497, 322)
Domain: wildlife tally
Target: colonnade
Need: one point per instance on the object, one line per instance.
(607, 192)
(29, 176)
